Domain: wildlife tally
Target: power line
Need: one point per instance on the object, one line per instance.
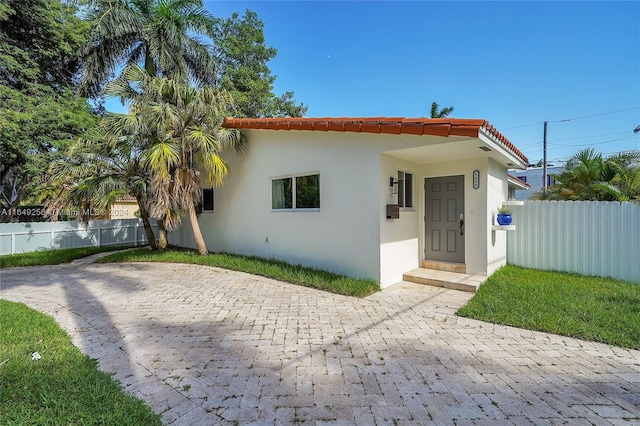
(577, 147)
(592, 136)
(526, 125)
(594, 115)
(604, 155)
(572, 119)
(553, 141)
(594, 143)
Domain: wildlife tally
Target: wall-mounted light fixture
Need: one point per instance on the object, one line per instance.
(393, 182)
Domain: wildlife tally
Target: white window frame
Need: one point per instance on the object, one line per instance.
(293, 192)
(404, 188)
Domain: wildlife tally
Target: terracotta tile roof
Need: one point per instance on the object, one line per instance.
(390, 125)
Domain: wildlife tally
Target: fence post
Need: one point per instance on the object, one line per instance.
(52, 238)
(13, 243)
(99, 234)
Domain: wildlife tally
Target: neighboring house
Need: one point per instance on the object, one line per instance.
(533, 177)
(366, 197)
(124, 208)
(516, 184)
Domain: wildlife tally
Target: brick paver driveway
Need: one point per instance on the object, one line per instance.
(209, 346)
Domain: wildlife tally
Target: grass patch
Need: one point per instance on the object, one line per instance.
(64, 387)
(51, 257)
(270, 268)
(589, 308)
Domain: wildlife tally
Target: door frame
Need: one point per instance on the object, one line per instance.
(423, 204)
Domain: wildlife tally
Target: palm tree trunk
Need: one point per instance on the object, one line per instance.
(148, 230)
(197, 234)
(163, 241)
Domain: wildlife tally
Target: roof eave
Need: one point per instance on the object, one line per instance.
(519, 184)
(445, 127)
(514, 158)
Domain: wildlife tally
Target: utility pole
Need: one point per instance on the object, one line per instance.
(544, 160)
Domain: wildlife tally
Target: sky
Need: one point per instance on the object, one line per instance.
(575, 64)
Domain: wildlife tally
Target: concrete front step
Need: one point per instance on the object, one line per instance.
(460, 268)
(452, 280)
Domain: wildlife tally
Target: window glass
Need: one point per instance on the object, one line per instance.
(299, 192)
(308, 192)
(282, 193)
(207, 200)
(401, 189)
(405, 189)
(408, 187)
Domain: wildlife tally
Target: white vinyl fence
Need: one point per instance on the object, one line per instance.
(33, 236)
(587, 237)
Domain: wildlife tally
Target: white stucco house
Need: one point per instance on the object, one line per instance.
(366, 197)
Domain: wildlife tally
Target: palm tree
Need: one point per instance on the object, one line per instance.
(161, 35)
(624, 169)
(182, 123)
(589, 176)
(442, 113)
(100, 170)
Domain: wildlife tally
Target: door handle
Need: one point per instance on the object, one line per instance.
(461, 223)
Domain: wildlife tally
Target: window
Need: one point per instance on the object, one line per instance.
(207, 199)
(405, 189)
(550, 180)
(295, 192)
(523, 178)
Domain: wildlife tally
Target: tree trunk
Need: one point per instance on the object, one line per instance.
(197, 234)
(147, 225)
(163, 241)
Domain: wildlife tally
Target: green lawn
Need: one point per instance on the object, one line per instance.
(64, 387)
(51, 257)
(590, 308)
(270, 268)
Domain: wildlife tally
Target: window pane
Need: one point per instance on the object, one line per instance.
(308, 192)
(282, 193)
(408, 186)
(207, 199)
(401, 189)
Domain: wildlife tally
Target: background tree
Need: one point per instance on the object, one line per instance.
(163, 36)
(589, 176)
(102, 168)
(39, 112)
(241, 56)
(440, 113)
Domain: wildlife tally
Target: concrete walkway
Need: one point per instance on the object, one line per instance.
(206, 346)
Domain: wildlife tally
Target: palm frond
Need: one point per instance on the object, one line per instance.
(162, 157)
